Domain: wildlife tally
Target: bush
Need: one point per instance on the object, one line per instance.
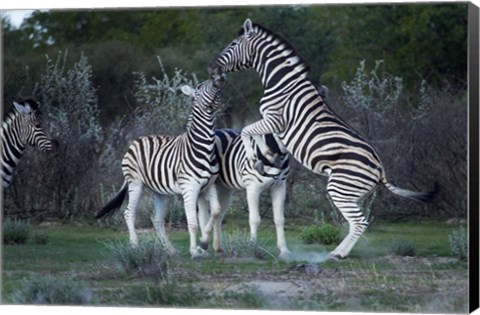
(149, 258)
(402, 248)
(239, 244)
(40, 238)
(52, 290)
(15, 232)
(459, 244)
(326, 235)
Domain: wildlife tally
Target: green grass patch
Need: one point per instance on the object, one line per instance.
(369, 280)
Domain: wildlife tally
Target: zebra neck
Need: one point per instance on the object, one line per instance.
(12, 148)
(279, 67)
(201, 125)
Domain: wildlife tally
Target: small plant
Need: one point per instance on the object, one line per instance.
(15, 232)
(52, 290)
(149, 258)
(326, 235)
(239, 244)
(40, 238)
(402, 248)
(459, 243)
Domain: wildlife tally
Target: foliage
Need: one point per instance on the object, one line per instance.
(327, 234)
(148, 259)
(238, 243)
(41, 238)
(162, 100)
(70, 108)
(15, 232)
(458, 240)
(401, 247)
(52, 290)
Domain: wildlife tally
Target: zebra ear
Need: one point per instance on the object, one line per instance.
(24, 110)
(188, 90)
(248, 28)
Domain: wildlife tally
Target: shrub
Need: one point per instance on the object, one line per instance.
(52, 290)
(459, 243)
(40, 238)
(149, 258)
(15, 232)
(239, 244)
(402, 248)
(326, 235)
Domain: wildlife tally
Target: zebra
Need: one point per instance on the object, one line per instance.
(170, 165)
(312, 133)
(22, 126)
(236, 174)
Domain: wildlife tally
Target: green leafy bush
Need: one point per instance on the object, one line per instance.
(52, 290)
(149, 258)
(459, 243)
(326, 235)
(402, 248)
(15, 232)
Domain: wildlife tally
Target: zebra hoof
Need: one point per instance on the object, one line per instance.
(204, 245)
(336, 257)
(259, 167)
(277, 162)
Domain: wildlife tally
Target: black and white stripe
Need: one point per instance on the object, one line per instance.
(185, 164)
(22, 127)
(237, 174)
(292, 108)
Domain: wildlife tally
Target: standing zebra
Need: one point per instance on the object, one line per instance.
(292, 108)
(236, 174)
(170, 165)
(22, 126)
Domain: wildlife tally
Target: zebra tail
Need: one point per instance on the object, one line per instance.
(414, 195)
(115, 203)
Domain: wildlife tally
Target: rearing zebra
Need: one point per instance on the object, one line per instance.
(22, 126)
(236, 174)
(292, 108)
(169, 165)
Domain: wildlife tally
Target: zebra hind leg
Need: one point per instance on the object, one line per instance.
(158, 220)
(135, 190)
(347, 204)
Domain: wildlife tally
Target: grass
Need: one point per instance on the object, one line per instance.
(369, 280)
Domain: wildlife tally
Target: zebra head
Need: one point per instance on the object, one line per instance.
(29, 127)
(238, 54)
(207, 94)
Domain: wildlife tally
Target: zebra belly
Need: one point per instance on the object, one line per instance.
(324, 149)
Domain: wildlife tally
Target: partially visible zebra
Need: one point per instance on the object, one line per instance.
(292, 108)
(236, 174)
(185, 164)
(22, 127)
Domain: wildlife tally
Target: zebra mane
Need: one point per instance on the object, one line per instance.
(282, 40)
(34, 105)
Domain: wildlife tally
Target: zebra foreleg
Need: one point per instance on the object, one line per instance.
(190, 198)
(225, 198)
(254, 219)
(203, 217)
(278, 193)
(269, 124)
(135, 190)
(215, 212)
(158, 220)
